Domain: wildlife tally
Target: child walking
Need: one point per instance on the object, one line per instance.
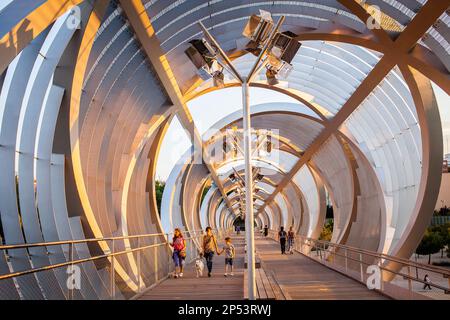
(229, 256)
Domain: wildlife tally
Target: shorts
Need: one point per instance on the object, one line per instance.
(229, 261)
(177, 259)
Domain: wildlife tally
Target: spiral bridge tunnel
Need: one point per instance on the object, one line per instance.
(89, 88)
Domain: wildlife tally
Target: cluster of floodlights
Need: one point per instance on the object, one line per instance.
(280, 53)
(236, 177)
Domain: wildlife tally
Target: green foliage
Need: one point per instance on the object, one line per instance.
(159, 189)
(444, 211)
(205, 191)
(443, 231)
(327, 231)
(431, 243)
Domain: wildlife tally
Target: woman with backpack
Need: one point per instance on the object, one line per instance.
(209, 246)
(179, 252)
(282, 235)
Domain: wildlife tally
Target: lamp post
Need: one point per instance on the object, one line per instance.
(245, 81)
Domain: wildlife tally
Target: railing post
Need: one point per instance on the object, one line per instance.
(155, 262)
(139, 264)
(169, 260)
(448, 279)
(319, 249)
(71, 270)
(346, 260)
(113, 273)
(409, 280)
(361, 267)
(380, 264)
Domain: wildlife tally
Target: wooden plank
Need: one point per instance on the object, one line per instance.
(282, 277)
(300, 277)
(245, 284)
(269, 291)
(217, 287)
(257, 261)
(276, 289)
(259, 284)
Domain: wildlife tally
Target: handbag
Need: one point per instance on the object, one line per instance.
(182, 253)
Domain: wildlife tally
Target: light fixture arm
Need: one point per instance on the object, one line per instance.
(249, 173)
(264, 50)
(222, 53)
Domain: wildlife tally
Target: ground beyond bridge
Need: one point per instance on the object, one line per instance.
(299, 277)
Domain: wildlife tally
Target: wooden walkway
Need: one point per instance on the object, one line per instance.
(298, 276)
(304, 278)
(218, 287)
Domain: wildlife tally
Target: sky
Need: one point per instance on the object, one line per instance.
(443, 100)
(209, 108)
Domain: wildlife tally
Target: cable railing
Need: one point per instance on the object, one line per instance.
(115, 248)
(394, 271)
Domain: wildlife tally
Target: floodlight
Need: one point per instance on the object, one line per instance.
(218, 79)
(258, 30)
(286, 46)
(271, 77)
(204, 57)
(201, 53)
(280, 56)
(269, 144)
(285, 70)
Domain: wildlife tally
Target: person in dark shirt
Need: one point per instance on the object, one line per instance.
(282, 235)
(266, 230)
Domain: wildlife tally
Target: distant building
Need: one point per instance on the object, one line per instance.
(444, 193)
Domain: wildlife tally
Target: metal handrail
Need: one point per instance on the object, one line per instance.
(330, 248)
(78, 241)
(381, 256)
(193, 235)
(63, 242)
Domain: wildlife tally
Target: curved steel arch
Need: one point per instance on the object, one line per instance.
(102, 138)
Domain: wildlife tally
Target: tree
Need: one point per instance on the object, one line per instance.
(431, 243)
(444, 232)
(327, 231)
(159, 189)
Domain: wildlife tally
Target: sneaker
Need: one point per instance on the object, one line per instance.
(225, 274)
(232, 274)
(181, 275)
(175, 276)
(209, 274)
